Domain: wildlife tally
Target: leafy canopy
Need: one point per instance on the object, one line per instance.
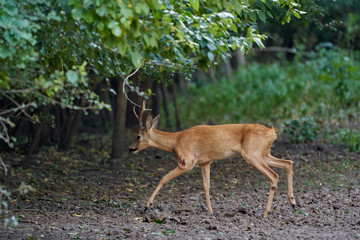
(158, 32)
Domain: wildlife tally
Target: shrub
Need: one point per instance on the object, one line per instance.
(301, 130)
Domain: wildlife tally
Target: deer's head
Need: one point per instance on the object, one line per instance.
(143, 138)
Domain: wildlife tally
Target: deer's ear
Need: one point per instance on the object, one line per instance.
(152, 122)
(155, 121)
(148, 122)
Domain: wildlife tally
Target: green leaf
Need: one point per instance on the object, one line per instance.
(262, 16)
(211, 56)
(156, 4)
(76, 13)
(52, 16)
(142, 8)
(73, 77)
(195, 4)
(100, 26)
(258, 42)
(88, 17)
(5, 52)
(252, 16)
(233, 26)
(122, 47)
(225, 15)
(127, 13)
(211, 46)
(136, 58)
(101, 11)
(116, 31)
(115, 28)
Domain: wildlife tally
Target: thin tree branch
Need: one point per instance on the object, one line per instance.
(4, 166)
(26, 90)
(6, 138)
(126, 82)
(14, 109)
(21, 107)
(277, 49)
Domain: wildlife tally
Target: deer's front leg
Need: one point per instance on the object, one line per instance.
(171, 175)
(205, 170)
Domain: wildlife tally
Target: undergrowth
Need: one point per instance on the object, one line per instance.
(349, 137)
(321, 86)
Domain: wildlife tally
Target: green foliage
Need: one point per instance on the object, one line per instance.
(348, 137)
(44, 59)
(322, 85)
(301, 130)
(156, 31)
(48, 48)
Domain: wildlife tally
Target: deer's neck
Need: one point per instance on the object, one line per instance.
(163, 140)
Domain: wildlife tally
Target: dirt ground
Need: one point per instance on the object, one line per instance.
(78, 196)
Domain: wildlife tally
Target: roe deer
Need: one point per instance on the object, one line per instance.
(203, 144)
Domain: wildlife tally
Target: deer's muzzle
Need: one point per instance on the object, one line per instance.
(132, 150)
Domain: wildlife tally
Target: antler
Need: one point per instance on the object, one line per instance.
(139, 117)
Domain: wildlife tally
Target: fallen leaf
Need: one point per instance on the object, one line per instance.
(139, 219)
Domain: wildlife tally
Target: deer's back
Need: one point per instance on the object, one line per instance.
(210, 142)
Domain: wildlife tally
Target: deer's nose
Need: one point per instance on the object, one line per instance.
(131, 150)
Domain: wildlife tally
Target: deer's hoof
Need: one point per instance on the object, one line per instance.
(147, 206)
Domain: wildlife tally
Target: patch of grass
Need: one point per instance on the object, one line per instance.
(300, 212)
(158, 221)
(163, 232)
(337, 182)
(311, 183)
(348, 137)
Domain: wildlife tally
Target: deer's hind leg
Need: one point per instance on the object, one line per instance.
(287, 166)
(258, 162)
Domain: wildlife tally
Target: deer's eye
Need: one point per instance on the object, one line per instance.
(138, 137)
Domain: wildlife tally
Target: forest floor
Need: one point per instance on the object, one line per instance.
(78, 196)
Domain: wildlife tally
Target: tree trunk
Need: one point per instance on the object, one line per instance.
(72, 121)
(118, 140)
(212, 76)
(228, 69)
(156, 98)
(165, 105)
(107, 115)
(177, 117)
(70, 127)
(40, 131)
(237, 59)
(181, 81)
(35, 140)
